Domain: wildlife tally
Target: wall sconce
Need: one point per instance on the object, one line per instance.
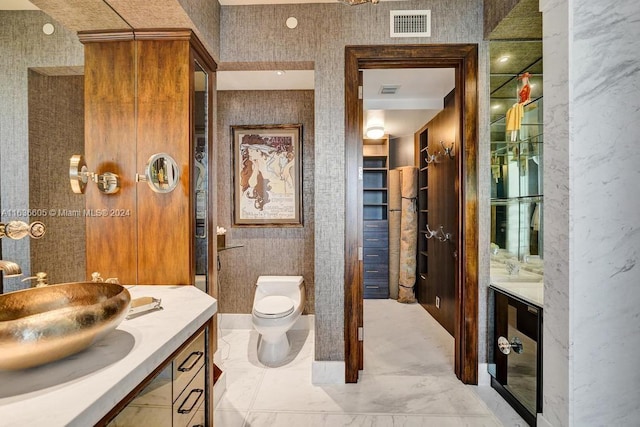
(448, 150)
(79, 175)
(375, 132)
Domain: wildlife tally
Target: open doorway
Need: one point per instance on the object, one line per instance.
(409, 208)
(463, 59)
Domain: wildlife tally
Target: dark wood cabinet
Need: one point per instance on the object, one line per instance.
(375, 208)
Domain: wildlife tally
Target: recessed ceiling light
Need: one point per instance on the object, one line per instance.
(48, 29)
(503, 59)
(495, 106)
(280, 72)
(291, 22)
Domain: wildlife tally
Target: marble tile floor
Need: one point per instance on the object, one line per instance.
(408, 380)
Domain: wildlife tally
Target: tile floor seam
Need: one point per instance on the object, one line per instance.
(376, 414)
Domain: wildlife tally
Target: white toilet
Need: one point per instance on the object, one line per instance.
(277, 304)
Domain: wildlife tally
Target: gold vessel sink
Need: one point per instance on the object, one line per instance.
(40, 325)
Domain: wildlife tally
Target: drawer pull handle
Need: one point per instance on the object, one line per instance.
(372, 255)
(183, 368)
(199, 393)
(372, 287)
(371, 271)
(372, 240)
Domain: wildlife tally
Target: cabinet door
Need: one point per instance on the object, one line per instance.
(518, 372)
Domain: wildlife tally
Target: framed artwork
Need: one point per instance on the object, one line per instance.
(267, 175)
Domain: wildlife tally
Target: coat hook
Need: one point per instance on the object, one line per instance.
(431, 158)
(448, 150)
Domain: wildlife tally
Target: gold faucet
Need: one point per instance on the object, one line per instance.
(10, 269)
(97, 278)
(41, 279)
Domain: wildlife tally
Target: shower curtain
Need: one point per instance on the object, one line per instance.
(408, 234)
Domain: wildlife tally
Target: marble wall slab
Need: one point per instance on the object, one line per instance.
(592, 239)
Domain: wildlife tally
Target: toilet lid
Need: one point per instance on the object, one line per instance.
(274, 306)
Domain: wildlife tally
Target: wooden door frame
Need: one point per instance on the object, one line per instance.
(464, 59)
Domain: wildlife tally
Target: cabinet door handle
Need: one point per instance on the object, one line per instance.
(372, 255)
(183, 368)
(371, 271)
(199, 393)
(371, 240)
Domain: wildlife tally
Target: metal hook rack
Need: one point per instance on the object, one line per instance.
(438, 234)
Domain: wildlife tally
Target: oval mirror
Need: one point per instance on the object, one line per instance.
(162, 173)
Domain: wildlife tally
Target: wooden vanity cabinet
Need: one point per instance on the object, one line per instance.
(176, 394)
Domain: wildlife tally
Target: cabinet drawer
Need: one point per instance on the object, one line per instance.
(382, 225)
(187, 404)
(198, 419)
(375, 271)
(187, 363)
(376, 240)
(376, 288)
(376, 255)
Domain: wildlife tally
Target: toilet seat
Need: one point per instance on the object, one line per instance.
(273, 306)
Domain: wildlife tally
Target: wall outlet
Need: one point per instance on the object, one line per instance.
(437, 302)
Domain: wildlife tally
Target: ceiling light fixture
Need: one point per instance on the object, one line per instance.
(375, 132)
(503, 59)
(280, 72)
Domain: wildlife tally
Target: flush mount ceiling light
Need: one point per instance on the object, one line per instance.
(375, 132)
(503, 59)
(280, 73)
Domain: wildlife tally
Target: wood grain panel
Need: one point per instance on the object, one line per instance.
(110, 147)
(443, 211)
(353, 267)
(165, 220)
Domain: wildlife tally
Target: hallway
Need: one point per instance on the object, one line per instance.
(408, 380)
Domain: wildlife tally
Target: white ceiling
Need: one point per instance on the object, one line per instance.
(419, 97)
(17, 5)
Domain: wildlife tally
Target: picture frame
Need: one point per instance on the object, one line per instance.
(267, 175)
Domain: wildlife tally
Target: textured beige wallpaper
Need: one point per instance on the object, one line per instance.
(266, 251)
(56, 132)
(24, 45)
(258, 34)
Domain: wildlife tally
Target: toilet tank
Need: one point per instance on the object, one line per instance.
(280, 285)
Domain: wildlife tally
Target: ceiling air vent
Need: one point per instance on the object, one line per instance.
(389, 89)
(410, 23)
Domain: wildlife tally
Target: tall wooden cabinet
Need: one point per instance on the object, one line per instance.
(375, 207)
(139, 101)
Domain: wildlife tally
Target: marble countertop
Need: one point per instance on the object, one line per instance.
(81, 389)
(526, 285)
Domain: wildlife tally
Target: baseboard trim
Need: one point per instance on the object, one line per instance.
(484, 377)
(243, 321)
(219, 388)
(542, 421)
(327, 372)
